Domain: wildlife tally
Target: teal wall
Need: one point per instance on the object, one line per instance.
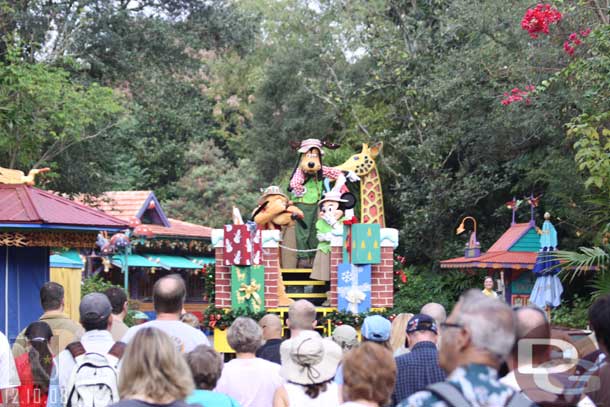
(530, 242)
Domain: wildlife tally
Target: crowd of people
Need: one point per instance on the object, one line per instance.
(483, 354)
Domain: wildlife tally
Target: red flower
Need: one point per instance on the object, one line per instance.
(573, 37)
(539, 19)
(585, 33)
(403, 277)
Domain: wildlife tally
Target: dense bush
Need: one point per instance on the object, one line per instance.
(572, 314)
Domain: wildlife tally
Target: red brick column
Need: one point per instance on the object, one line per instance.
(271, 261)
(382, 280)
(223, 280)
(336, 257)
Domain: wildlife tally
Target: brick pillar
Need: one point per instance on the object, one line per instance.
(382, 280)
(336, 257)
(223, 273)
(271, 260)
(382, 275)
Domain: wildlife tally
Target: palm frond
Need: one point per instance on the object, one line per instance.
(578, 262)
(601, 284)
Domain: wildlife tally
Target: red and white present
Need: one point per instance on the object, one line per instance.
(243, 246)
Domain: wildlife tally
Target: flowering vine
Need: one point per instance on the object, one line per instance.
(518, 95)
(538, 19)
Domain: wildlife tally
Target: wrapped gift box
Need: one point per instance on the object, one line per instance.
(243, 245)
(365, 243)
(354, 288)
(248, 288)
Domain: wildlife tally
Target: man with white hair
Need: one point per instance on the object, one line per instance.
(478, 334)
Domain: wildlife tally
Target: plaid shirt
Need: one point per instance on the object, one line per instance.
(416, 370)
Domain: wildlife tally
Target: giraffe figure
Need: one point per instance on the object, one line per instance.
(371, 197)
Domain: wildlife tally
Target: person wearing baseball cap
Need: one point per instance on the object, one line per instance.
(418, 368)
(95, 311)
(376, 329)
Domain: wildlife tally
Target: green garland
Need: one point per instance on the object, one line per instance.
(223, 318)
(338, 318)
(209, 276)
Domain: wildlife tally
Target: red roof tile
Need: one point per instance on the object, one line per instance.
(27, 205)
(180, 228)
(126, 204)
(122, 204)
(510, 237)
(504, 259)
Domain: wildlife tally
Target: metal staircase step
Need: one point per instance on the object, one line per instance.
(293, 271)
(303, 282)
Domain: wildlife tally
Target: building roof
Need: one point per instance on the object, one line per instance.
(128, 204)
(502, 259)
(180, 228)
(22, 205)
(517, 249)
(122, 204)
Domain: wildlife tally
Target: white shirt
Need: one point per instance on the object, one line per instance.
(185, 336)
(8, 372)
(252, 382)
(98, 341)
(511, 381)
(298, 398)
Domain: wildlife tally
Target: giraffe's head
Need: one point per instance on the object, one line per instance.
(363, 162)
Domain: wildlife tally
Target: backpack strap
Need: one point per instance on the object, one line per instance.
(519, 400)
(76, 349)
(449, 394)
(117, 350)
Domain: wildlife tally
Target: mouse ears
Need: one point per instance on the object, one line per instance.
(350, 200)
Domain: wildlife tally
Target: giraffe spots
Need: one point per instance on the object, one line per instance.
(373, 210)
(372, 196)
(366, 219)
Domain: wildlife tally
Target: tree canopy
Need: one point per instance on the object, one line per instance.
(199, 101)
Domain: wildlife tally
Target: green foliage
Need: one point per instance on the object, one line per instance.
(421, 288)
(44, 113)
(223, 318)
(210, 177)
(95, 284)
(572, 315)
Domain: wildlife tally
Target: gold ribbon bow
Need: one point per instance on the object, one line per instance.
(250, 292)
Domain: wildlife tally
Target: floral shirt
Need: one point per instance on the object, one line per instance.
(478, 383)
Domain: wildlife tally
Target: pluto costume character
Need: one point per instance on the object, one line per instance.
(306, 185)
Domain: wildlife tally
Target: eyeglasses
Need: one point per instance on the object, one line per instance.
(446, 325)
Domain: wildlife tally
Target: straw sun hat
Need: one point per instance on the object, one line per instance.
(309, 359)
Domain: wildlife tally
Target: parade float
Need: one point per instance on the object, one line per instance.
(262, 268)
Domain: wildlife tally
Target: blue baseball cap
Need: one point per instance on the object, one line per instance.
(376, 328)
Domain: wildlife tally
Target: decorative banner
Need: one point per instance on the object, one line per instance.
(248, 288)
(354, 287)
(365, 243)
(243, 245)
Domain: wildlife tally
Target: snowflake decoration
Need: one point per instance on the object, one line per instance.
(347, 276)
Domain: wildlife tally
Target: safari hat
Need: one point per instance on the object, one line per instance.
(273, 190)
(346, 337)
(310, 143)
(334, 196)
(309, 359)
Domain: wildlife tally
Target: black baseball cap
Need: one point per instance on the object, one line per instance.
(421, 322)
